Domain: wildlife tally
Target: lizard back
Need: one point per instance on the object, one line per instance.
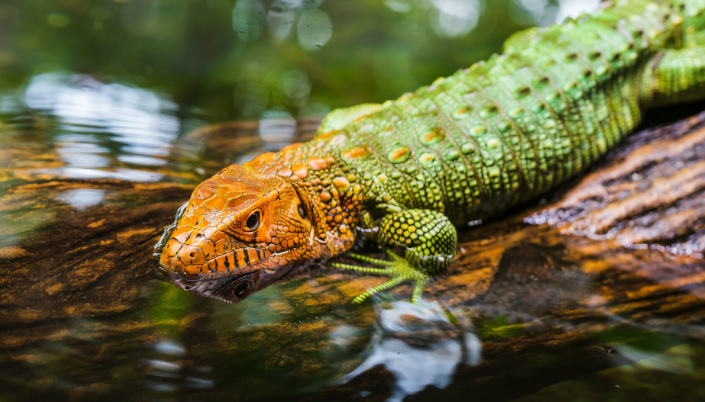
(509, 129)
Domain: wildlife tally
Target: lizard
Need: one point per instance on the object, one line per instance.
(406, 173)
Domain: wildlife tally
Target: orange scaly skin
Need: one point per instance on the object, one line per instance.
(212, 241)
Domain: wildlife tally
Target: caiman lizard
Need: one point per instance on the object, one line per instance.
(404, 173)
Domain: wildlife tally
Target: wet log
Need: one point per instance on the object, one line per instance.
(649, 192)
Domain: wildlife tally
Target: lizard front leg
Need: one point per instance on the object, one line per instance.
(429, 240)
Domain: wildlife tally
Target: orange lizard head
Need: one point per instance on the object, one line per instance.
(240, 232)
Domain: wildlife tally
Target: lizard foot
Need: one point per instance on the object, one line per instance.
(399, 269)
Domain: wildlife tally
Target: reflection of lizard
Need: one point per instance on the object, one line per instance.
(467, 147)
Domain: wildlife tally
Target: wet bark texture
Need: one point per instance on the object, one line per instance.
(622, 245)
(650, 191)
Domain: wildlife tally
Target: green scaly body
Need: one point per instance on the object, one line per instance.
(492, 136)
(512, 128)
(508, 130)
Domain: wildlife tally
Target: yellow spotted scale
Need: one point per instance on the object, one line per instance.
(467, 147)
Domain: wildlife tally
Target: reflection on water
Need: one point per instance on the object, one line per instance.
(96, 122)
(420, 346)
(98, 100)
(80, 199)
(169, 379)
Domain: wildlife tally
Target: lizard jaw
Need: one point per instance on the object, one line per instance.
(228, 289)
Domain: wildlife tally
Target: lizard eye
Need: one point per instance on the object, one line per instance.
(236, 290)
(241, 289)
(253, 221)
(302, 211)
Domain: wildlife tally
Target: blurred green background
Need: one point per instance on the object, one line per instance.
(227, 59)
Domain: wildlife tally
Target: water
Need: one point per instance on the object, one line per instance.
(103, 106)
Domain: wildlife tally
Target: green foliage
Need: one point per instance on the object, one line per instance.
(193, 51)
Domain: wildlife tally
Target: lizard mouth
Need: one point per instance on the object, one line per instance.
(229, 289)
(225, 287)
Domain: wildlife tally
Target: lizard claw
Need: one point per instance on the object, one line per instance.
(399, 269)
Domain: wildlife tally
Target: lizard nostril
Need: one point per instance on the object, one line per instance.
(192, 254)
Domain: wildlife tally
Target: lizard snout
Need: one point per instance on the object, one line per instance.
(179, 256)
(177, 280)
